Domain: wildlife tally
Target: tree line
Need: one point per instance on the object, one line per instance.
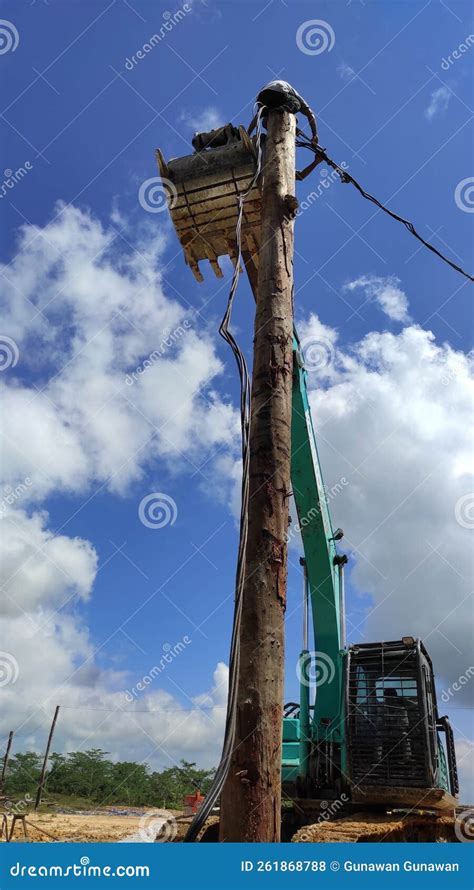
(91, 776)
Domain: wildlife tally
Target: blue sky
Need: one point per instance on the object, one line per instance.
(393, 103)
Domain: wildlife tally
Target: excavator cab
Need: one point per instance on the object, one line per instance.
(400, 752)
(390, 772)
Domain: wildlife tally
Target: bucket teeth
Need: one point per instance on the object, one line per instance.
(196, 271)
(217, 269)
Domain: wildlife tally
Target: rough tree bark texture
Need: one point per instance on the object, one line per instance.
(251, 800)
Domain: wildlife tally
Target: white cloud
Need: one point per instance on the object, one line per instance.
(205, 10)
(88, 315)
(318, 343)
(439, 101)
(86, 311)
(95, 711)
(202, 120)
(384, 291)
(345, 71)
(40, 569)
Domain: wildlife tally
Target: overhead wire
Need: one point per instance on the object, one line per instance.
(303, 142)
(224, 330)
(203, 709)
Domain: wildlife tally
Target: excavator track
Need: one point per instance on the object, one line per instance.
(210, 831)
(368, 827)
(359, 828)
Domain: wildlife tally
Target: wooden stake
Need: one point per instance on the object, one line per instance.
(251, 799)
(45, 761)
(5, 760)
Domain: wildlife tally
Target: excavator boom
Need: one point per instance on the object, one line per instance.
(315, 525)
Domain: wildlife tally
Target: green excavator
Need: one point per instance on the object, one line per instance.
(366, 755)
(366, 734)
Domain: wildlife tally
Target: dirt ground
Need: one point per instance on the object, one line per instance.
(91, 827)
(136, 827)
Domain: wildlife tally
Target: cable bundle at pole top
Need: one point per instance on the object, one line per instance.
(229, 732)
(303, 142)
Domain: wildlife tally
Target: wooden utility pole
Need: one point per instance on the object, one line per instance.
(251, 799)
(45, 761)
(5, 760)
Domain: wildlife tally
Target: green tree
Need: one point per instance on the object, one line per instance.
(130, 783)
(23, 774)
(91, 776)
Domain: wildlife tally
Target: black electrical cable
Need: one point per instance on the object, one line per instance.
(220, 777)
(303, 142)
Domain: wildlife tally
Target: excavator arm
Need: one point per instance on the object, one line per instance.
(321, 666)
(323, 565)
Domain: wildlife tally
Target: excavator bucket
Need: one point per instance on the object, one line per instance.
(203, 191)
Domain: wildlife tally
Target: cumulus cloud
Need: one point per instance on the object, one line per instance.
(89, 316)
(439, 101)
(203, 120)
(345, 71)
(318, 344)
(40, 569)
(96, 711)
(123, 382)
(386, 292)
